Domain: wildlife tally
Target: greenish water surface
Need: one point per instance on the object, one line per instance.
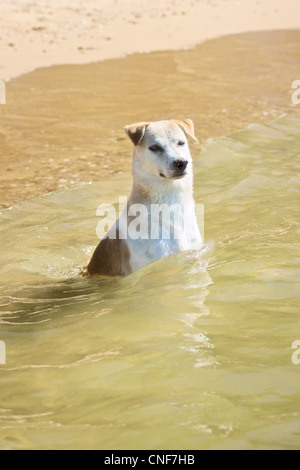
(193, 352)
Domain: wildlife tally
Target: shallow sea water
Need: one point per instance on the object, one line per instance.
(194, 351)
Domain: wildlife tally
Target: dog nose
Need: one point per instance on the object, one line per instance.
(181, 164)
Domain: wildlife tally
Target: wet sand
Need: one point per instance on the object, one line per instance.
(64, 125)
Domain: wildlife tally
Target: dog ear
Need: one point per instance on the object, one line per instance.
(187, 126)
(136, 132)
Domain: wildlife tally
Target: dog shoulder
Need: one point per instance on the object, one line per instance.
(111, 258)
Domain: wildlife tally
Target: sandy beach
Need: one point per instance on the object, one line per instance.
(39, 34)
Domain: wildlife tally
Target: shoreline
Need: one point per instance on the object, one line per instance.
(124, 56)
(37, 36)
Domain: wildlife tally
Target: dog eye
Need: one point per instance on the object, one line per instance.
(155, 148)
(181, 143)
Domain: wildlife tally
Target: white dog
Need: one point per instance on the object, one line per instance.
(160, 217)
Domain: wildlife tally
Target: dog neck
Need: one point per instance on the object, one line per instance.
(151, 190)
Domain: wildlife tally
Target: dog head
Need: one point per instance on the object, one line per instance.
(161, 148)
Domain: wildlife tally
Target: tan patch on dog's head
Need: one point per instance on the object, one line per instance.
(161, 149)
(136, 132)
(188, 126)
